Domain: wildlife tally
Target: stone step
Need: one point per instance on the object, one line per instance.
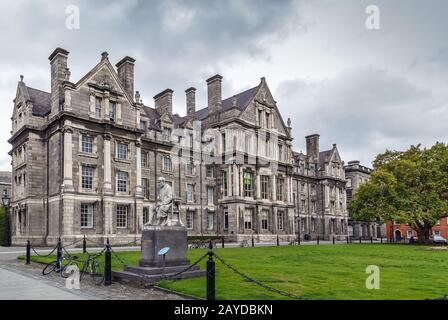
(158, 270)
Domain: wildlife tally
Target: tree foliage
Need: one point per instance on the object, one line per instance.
(406, 186)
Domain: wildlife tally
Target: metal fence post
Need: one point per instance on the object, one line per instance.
(107, 265)
(348, 239)
(59, 253)
(210, 274)
(317, 239)
(28, 252)
(371, 239)
(278, 241)
(381, 239)
(360, 240)
(84, 245)
(222, 242)
(253, 243)
(333, 240)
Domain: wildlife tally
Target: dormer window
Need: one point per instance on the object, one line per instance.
(143, 125)
(98, 102)
(112, 110)
(166, 134)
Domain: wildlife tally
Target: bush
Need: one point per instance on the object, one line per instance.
(5, 229)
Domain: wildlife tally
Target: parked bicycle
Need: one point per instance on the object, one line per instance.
(244, 243)
(60, 265)
(91, 266)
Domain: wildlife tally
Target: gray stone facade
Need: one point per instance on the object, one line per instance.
(87, 155)
(356, 174)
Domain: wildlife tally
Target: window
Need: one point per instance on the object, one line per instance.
(190, 168)
(87, 177)
(437, 232)
(210, 172)
(280, 182)
(313, 224)
(122, 181)
(122, 216)
(265, 187)
(280, 152)
(86, 144)
(303, 204)
(112, 110)
(122, 151)
(190, 192)
(166, 134)
(313, 206)
(259, 117)
(145, 189)
(248, 219)
(98, 102)
(86, 215)
(144, 159)
(268, 124)
(167, 166)
(225, 179)
(264, 219)
(223, 142)
(190, 219)
(190, 140)
(145, 215)
(143, 125)
(210, 195)
(226, 219)
(247, 143)
(210, 220)
(280, 220)
(248, 184)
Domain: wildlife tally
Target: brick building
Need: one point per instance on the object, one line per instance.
(86, 157)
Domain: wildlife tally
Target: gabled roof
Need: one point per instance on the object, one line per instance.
(41, 101)
(324, 157)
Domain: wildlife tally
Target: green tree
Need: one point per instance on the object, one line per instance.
(5, 229)
(408, 187)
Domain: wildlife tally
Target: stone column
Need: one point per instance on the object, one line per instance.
(107, 164)
(106, 105)
(68, 160)
(326, 195)
(274, 188)
(92, 109)
(258, 186)
(138, 156)
(230, 182)
(236, 185)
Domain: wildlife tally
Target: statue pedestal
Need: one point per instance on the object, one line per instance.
(155, 238)
(151, 267)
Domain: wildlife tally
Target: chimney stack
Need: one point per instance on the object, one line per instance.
(214, 91)
(59, 72)
(125, 69)
(163, 102)
(191, 102)
(312, 147)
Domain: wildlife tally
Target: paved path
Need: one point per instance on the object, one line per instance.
(15, 286)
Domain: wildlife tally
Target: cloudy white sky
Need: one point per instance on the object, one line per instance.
(366, 90)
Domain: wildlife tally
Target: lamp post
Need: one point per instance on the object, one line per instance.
(5, 201)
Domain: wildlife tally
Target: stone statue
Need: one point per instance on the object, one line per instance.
(163, 211)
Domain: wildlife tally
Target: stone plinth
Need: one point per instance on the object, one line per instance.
(151, 267)
(155, 238)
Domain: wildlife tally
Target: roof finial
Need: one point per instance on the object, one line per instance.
(137, 96)
(21, 78)
(234, 102)
(104, 55)
(289, 122)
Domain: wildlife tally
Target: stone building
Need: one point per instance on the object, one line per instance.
(5, 183)
(87, 155)
(356, 174)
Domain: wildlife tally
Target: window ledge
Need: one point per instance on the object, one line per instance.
(89, 155)
(122, 160)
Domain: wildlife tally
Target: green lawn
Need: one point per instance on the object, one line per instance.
(319, 272)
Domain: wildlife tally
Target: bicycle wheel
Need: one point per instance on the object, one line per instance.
(97, 272)
(49, 268)
(66, 271)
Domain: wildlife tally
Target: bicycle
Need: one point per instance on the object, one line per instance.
(60, 266)
(94, 268)
(244, 244)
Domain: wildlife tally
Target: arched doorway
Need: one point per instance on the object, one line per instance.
(398, 235)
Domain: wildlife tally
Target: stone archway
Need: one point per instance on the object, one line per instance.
(398, 236)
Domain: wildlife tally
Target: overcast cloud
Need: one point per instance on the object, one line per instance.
(364, 90)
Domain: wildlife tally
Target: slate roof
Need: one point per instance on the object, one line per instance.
(41, 101)
(323, 157)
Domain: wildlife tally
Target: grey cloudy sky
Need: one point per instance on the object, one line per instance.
(366, 90)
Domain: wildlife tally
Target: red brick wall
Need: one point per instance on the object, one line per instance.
(442, 227)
